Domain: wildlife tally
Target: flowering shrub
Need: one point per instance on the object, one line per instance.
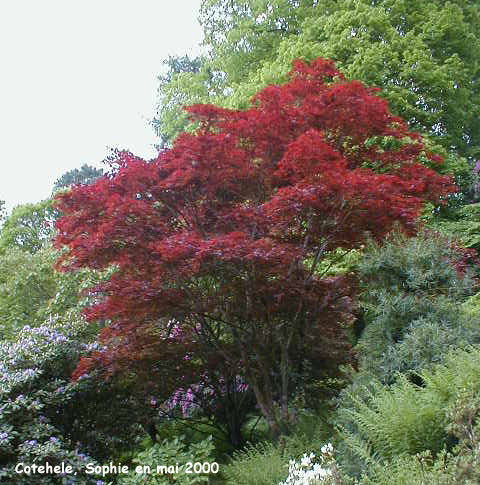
(34, 386)
(202, 396)
(307, 472)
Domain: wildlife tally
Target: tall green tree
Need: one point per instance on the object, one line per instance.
(32, 291)
(242, 34)
(185, 80)
(29, 227)
(423, 54)
(27, 283)
(86, 174)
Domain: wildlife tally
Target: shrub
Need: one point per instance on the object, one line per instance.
(171, 453)
(34, 386)
(311, 470)
(260, 464)
(44, 416)
(266, 463)
(412, 292)
(417, 309)
(393, 422)
(459, 467)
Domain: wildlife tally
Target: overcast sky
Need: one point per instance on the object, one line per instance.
(78, 77)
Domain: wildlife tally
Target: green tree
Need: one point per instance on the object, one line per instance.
(3, 212)
(29, 227)
(85, 175)
(32, 291)
(242, 34)
(186, 81)
(27, 283)
(422, 54)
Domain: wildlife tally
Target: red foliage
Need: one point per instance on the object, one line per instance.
(225, 231)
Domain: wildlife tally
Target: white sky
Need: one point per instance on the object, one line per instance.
(78, 77)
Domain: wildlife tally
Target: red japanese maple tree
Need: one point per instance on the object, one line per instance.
(225, 232)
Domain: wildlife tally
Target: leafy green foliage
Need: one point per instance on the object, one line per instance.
(460, 466)
(464, 226)
(421, 54)
(389, 420)
(241, 34)
(86, 175)
(412, 291)
(31, 290)
(170, 453)
(29, 227)
(406, 419)
(265, 463)
(411, 470)
(262, 464)
(27, 283)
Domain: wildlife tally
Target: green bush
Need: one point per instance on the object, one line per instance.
(31, 290)
(417, 309)
(412, 298)
(411, 470)
(459, 467)
(465, 226)
(266, 463)
(260, 464)
(390, 423)
(170, 453)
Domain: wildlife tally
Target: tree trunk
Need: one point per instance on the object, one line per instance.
(265, 403)
(284, 370)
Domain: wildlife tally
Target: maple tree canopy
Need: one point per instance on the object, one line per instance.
(224, 232)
